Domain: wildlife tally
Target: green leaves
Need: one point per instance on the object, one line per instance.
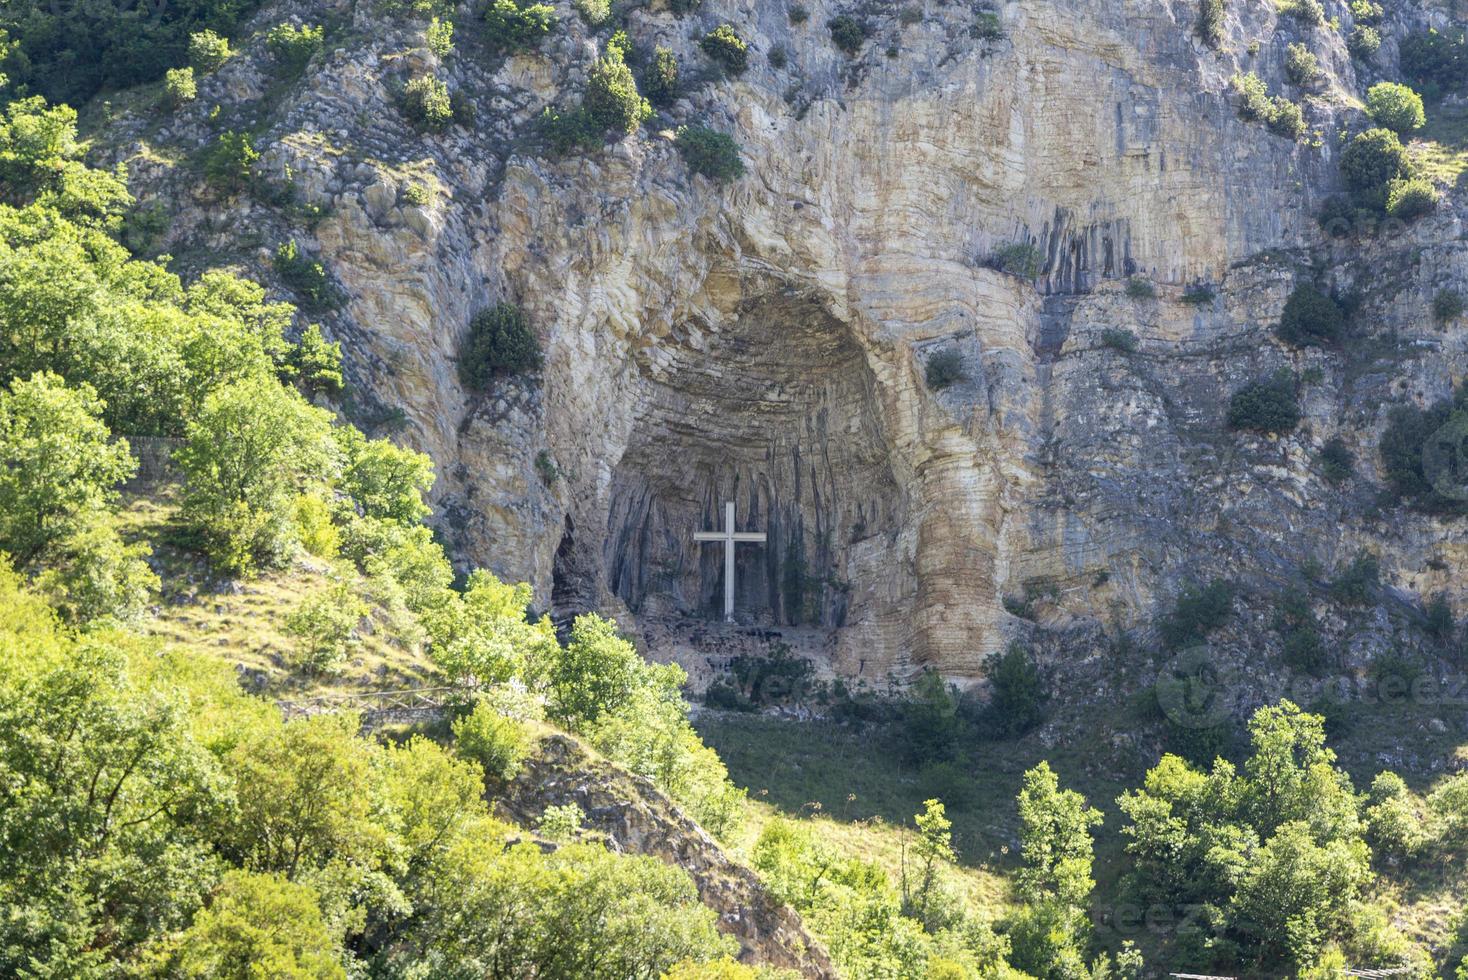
(57, 462)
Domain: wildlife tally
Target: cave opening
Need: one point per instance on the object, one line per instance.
(776, 412)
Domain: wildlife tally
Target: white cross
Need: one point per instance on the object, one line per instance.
(729, 537)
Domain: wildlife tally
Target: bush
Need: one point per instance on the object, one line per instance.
(778, 57)
(230, 162)
(208, 51)
(179, 86)
(1373, 160)
(324, 626)
(511, 27)
(612, 100)
(1394, 828)
(1198, 294)
(1283, 117)
(1310, 317)
(798, 13)
(1337, 463)
(987, 26)
(427, 105)
(1310, 12)
(930, 719)
(1356, 584)
(1119, 340)
(498, 743)
(500, 342)
(1448, 305)
(1396, 107)
(567, 132)
(294, 46)
(1210, 22)
(594, 12)
(439, 36)
(1139, 288)
(1017, 704)
(1363, 42)
(1198, 611)
(944, 368)
(1408, 200)
(560, 823)
(1286, 118)
(1438, 618)
(1301, 66)
(726, 48)
(1436, 62)
(305, 276)
(713, 154)
(660, 77)
(1265, 406)
(847, 33)
(1366, 11)
(93, 577)
(1019, 259)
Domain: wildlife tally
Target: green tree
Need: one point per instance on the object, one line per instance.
(57, 462)
(611, 96)
(726, 48)
(1396, 107)
(383, 480)
(229, 164)
(708, 152)
(495, 741)
(512, 27)
(208, 51)
(1370, 162)
(1268, 406)
(932, 851)
(324, 626)
(660, 77)
(253, 447)
(94, 578)
(427, 104)
(258, 925)
(1019, 693)
(500, 342)
(1310, 317)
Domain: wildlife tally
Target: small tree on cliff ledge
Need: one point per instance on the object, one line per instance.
(500, 342)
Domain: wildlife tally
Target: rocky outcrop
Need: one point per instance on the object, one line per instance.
(637, 818)
(766, 341)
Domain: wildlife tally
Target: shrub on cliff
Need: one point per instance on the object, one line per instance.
(229, 163)
(427, 105)
(1266, 406)
(612, 100)
(1371, 162)
(708, 152)
(1017, 704)
(1301, 65)
(1337, 462)
(305, 276)
(1396, 107)
(567, 131)
(1210, 22)
(508, 26)
(500, 342)
(724, 45)
(1436, 62)
(1448, 305)
(1408, 200)
(179, 86)
(847, 33)
(943, 369)
(208, 51)
(1363, 42)
(294, 46)
(1283, 117)
(1310, 317)
(660, 77)
(1018, 259)
(1198, 611)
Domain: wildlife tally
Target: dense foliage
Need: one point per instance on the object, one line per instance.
(68, 52)
(1310, 317)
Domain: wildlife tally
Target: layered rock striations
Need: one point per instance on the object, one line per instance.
(766, 341)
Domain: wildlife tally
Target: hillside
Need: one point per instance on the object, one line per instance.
(1087, 383)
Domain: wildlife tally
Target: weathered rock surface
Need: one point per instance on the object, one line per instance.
(636, 818)
(765, 341)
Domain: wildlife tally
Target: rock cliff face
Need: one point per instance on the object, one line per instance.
(766, 341)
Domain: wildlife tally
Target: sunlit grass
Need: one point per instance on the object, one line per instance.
(1440, 149)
